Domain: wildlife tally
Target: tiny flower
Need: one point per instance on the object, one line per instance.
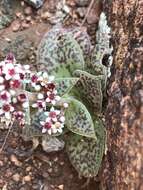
(6, 110)
(16, 76)
(57, 127)
(22, 97)
(21, 75)
(10, 58)
(53, 114)
(65, 105)
(39, 104)
(12, 92)
(26, 67)
(37, 87)
(51, 78)
(14, 100)
(45, 75)
(9, 71)
(46, 127)
(52, 97)
(2, 87)
(34, 78)
(5, 96)
(15, 84)
(19, 115)
(50, 86)
(1, 80)
(25, 105)
(62, 119)
(40, 96)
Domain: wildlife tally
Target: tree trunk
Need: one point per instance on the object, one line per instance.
(123, 166)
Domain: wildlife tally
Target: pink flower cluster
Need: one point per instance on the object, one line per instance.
(48, 95)
(12, 102)
(14, 99)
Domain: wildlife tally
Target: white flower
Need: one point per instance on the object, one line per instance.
(62, 119)
(25, 105)
(40, 96)
(45, 75)
(9, 71)
(51, 78)
(37, 87)
(5, 96)
(39, 104)
(2, 87)
(7, 110)
(65, 105)
(57, 127)
(1, 79)
(12, 92)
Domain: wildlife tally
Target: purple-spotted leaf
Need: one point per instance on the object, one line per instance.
(64, 85)
(89, 87)
(85, 153)
(78, 119)
(60, 54)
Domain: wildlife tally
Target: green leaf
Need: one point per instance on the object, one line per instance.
(78, 119)
(60, 54)
(64, 85)
(90, 90)
(86, 154)
(99, 70)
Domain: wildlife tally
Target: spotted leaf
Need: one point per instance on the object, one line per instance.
(64, 85)
(78, 119)
(90, 90)
(60, 54)
(86, 154)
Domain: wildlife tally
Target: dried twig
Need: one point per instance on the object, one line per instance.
(9, 130)
(88, 10)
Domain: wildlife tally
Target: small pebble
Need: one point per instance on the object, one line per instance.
(28, 168)
(1, 163)
(61, 187)
(92, 17)
(18, 14)
(28, 11)
(27, 178)
(16, 177)
(45, 15)
(15, 26)
(82, 3)
(81, 11)
(14, 159)
(25, 25)
(28, 18)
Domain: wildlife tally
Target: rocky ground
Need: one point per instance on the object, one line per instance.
(21, 28)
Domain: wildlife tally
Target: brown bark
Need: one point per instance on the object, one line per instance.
(123, 168)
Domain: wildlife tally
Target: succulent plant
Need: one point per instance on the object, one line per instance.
(80, 79)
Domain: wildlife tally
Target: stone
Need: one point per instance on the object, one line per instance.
(92, 18)
(28, 169)
(35, 3)
(6, 13)
(27, 178)
(15, 26)
(25, 25)
(28, 11)
(16, 177)
(14, 159)
(82, 3)
(81, 11)
(28, 18)
(46, 15)
(61, 187)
